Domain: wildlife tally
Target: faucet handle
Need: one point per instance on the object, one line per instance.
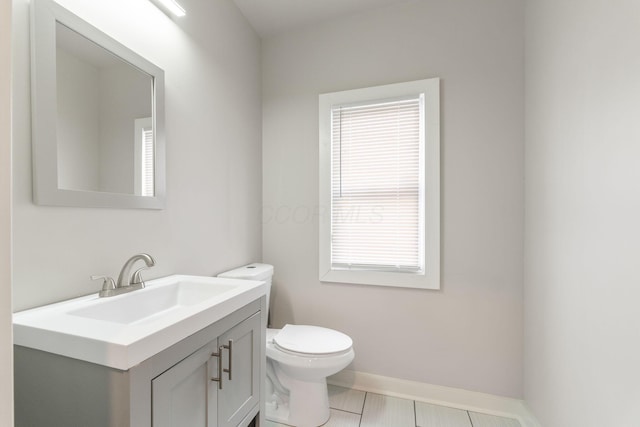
(137, 277)
(107, 284)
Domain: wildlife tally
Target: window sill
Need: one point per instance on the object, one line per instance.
(382, 278)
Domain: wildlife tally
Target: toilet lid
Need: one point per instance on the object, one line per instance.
(312, 340)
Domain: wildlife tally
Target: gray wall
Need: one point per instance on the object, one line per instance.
(213, 133)
(6, 344)
(582, 340)
(468, 334)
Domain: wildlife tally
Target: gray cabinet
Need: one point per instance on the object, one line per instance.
(185, 395)
(240, 383)
(172, 388)
(217, 385)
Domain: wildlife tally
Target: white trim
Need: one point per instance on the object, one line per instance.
(430, 278)
(438, 395)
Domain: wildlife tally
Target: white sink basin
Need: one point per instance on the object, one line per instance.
(124, 330)
(156, 302)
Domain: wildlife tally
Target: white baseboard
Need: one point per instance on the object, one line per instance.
(439, 395)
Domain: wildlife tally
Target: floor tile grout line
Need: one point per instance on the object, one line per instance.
(345, 411)
(362, 411)
(415, 415)
(470, 419)
(366, 393)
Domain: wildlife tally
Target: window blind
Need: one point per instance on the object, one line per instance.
(147, 162)
(376, 185)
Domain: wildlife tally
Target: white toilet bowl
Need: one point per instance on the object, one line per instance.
(299, 360)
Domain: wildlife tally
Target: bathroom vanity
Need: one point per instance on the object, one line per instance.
(164, 369)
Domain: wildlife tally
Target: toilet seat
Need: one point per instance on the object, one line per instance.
(308, 340)
(307, 366)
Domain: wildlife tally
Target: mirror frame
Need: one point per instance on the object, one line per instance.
(44, 15)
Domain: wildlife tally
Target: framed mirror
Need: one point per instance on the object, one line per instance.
(97, 116)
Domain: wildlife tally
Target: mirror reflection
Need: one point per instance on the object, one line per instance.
(105, 138)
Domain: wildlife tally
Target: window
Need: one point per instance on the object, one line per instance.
(380, 185)
(144, 158)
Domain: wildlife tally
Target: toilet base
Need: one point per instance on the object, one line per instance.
(306, 405)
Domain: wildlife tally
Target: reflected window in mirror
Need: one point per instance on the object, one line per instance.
(144, 159)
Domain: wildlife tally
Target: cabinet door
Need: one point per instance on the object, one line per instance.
(240, 389)
(185, 395)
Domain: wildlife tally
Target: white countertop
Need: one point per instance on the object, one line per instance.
(122, 344)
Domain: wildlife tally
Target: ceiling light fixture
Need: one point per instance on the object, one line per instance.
(170, 6)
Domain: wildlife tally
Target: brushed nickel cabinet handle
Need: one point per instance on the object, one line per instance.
(229, 347)
(218, 355)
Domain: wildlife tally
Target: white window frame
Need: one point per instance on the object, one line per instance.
(429, 277)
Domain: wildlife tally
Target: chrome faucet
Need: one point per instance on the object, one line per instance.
(127, 282)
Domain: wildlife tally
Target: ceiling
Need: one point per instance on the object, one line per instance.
(269, 17)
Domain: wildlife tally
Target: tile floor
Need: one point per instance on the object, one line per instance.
(354, 408)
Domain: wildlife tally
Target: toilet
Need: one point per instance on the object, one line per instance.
(299, 360)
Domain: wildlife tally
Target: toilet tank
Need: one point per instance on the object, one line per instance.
(255, 271)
